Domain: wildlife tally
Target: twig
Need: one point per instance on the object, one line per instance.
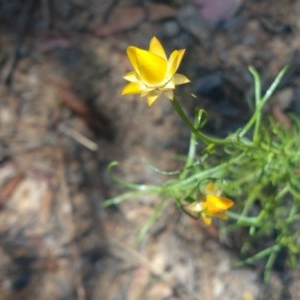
(77, 136)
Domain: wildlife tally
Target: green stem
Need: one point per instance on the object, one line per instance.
(260, 102)
(190, 157)
(203, 137)
(157, 210)
(261, 254)
(213, 172)
(243, 220)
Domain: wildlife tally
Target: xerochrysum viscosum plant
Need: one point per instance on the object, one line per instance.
(258, 165)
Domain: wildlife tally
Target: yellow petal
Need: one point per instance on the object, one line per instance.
(210, 188)
(150, 67)
(215, 205)
(156, 48)
(195, 207)
(151, 99)
(180, 79)
(174, 61)
(133, 88)
(206, 219)
(169, 94)
(170, 84)
(131, 76)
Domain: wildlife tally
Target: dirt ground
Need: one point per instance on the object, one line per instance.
(63, 120)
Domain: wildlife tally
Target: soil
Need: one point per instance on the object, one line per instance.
(63, 120)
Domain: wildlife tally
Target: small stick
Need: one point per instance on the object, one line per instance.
(77, 136)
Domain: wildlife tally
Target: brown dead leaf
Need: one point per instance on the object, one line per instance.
(159, 12)
(69, 97)
(9, 187)
(51, 44)
(126, 18)
(123, 18)
(46, 205)
(95, 120)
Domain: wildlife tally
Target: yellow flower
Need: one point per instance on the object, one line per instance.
(211, 205)
(154, 74)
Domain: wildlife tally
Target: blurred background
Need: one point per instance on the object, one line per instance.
(63, 120)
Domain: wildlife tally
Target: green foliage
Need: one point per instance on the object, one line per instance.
(258, 167)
